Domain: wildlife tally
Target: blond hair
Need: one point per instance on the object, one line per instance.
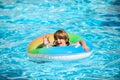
(61, 34)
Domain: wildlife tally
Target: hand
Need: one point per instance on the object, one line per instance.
(46, 40)
(86, 47)
(83, 45)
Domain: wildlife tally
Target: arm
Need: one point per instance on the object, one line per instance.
(45, 42)
(83, 45)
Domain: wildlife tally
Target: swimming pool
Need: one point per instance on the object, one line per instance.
(96, 20)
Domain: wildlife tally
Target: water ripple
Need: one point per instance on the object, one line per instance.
(23, 21)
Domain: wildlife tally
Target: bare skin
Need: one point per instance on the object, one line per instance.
(61, 42)
(83, 45)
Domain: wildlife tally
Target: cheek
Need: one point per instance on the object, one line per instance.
(63, 41)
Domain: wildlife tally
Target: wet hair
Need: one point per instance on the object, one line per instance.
(61, 34)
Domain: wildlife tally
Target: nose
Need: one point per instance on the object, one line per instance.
(58, 40)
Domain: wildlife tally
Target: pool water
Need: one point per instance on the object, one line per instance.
(98, 21)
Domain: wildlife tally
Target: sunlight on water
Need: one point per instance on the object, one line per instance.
(22, 21)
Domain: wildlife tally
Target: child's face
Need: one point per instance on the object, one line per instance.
(60, 42)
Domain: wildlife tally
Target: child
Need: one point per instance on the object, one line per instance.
(61, 39)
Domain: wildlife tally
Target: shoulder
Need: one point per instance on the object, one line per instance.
(50, 44)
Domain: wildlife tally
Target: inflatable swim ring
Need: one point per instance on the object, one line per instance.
(64, 53)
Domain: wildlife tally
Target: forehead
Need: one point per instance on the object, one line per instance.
(60, 37)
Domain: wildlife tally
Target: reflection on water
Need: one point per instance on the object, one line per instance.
(22, 21)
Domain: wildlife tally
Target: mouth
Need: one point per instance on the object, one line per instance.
(59, 43)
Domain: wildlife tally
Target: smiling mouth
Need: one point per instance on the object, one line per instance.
(59, 43)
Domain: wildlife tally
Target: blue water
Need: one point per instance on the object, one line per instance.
(98, 21)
